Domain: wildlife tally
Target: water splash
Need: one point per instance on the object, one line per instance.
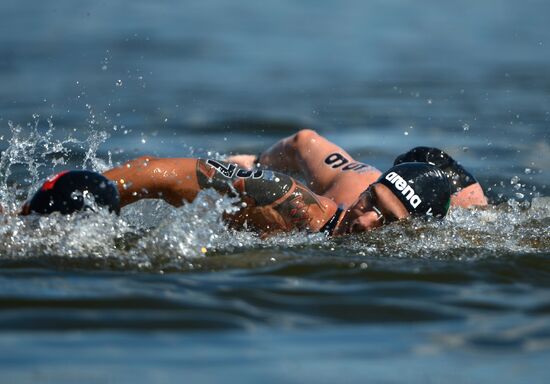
(34, 153)
(82, 235)
(191, 232)
(176, 236)
(155, 236)
(465, 234)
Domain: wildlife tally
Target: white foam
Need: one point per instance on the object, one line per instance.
(157, 236)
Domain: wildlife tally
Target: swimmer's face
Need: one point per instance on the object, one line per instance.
(375, 207)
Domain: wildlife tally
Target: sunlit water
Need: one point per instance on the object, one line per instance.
(160, 294)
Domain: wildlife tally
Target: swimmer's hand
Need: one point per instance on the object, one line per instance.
(243, 161)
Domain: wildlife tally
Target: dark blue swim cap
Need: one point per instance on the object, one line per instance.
(65, 192)
(421, 187)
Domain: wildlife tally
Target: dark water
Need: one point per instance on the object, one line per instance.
(136, 299)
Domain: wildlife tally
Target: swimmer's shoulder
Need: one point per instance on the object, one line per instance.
(470, 196)
(347, 186)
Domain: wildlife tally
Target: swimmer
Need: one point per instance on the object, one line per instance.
(330, 171)
(270, 202)
(275, 202)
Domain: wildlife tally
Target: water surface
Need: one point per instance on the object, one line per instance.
(136, 299)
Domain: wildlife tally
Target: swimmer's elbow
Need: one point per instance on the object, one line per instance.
(305, 135)
(302, 139)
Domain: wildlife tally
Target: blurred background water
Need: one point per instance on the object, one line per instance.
(465, 302)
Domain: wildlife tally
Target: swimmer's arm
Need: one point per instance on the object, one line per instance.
(176, 181)
(173, 180)
(303, 153)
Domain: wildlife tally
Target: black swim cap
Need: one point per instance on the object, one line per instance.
(457, 175)
(421, 187)
(65, 191)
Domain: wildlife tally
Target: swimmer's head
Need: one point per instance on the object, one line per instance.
(429, 155)
(70, 191)
(457, 175)
(421, 187)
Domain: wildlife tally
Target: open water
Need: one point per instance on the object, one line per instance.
(167, 295)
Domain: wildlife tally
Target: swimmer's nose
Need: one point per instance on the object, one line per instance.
(366, 222)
